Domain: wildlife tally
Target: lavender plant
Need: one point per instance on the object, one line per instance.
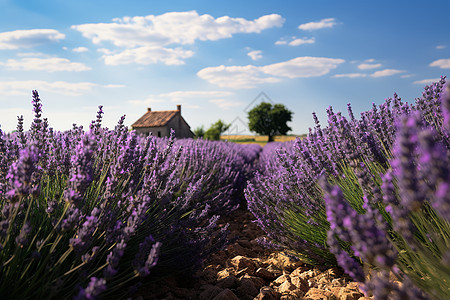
(382, 183)
(88, 214)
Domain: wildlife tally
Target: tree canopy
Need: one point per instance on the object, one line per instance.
(216, 129)
(199, 132)
(270, 120)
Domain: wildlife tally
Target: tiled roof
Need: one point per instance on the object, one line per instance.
(155, 118)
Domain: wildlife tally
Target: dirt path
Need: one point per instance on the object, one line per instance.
(245, 270)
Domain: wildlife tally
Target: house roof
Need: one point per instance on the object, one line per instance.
(155, 118)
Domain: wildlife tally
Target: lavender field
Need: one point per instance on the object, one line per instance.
(90, 213)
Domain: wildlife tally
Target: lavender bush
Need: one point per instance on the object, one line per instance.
(86, 214)
(372, 190)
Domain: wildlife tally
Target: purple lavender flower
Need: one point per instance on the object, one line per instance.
(368, 241)
(72, 218)
(445, 103)
(441, 202)
(85, 232)
(404, 167)
(22, 238)
(147, 256)
(81, 174)
(20, 175)
(20, 132)
(94, 289)
(113, 259)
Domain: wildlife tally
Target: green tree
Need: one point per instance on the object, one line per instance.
(216, 129)
(199, 132)
(269, 120)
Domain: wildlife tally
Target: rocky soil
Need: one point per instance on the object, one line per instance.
(245, 270)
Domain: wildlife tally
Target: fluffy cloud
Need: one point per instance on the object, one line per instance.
(255, 55)
(324, 23)
(281, 42)
(54, 64)
(296, 41)
(181, 96)
(350, 75)
(148, 55)
(386, 72)
(17, 39)
(249, 76)
(441, 63)
(224, 104)
(439, 47)
(302, 67)
(173, 28)
(237, 77)
(80, 49)
(24, 87)
(368, 66)
(426, 81)
(158, 33)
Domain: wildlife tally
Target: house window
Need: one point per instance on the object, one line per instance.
(159, 133)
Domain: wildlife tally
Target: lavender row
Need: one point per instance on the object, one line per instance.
(87, 214)
(373, 190)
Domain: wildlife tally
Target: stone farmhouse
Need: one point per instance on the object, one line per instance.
(159, 123)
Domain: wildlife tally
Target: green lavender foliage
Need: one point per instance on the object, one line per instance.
(361, 158)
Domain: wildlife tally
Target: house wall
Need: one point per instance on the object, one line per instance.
(180, 126)
(154, 131)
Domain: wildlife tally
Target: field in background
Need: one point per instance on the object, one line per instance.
(258, 139)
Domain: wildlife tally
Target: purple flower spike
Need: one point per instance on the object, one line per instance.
(82, 173)
(147, 256)
(22, 238)
(95, 287)
(445, 102)
(20, 175)
(404, 167)
(442, 201)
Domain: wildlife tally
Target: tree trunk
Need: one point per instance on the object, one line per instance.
(270, 139)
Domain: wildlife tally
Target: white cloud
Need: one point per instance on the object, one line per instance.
(249, 76)
(80, 49)
(324, 23)
(151, 34)
(114, 86)
(281, 42)
(302, 67)
(439, 47)
(180, 96)
(302, 41)
(28, 54)
(149, 55)
(173, 28)
(350, 75)
(224, 104)
(370, 60)
(105, 51)
(12, 40)
(386, 72)
(255, 55)
(426, 81)
(441, 63)
(54, 64)
(236, 77)
(368, 66)
(25, 87)
(296, 41)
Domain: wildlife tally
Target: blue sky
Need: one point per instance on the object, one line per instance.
(215, 57)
